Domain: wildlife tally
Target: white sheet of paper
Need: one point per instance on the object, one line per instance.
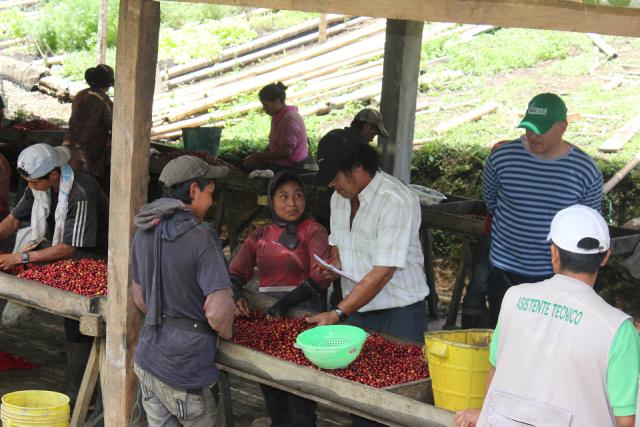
(335, 270)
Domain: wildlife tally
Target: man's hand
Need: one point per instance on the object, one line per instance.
(327, 274)
(9, 260)
(467, 418)
(325, 318)
(242, 308)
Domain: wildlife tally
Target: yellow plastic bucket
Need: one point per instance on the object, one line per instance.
(35, 408)
(458, 365)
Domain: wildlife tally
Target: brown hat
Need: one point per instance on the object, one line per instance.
(369, 115)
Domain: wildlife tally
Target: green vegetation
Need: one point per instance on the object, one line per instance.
(177, 14)
(70, 25)
(504, 50)
(204, 40)
(76, 63)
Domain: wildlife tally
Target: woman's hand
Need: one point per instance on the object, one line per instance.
(242, 308)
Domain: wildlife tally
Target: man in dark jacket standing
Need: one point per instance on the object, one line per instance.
(180, 281)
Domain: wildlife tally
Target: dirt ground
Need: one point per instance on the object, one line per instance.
(33, 104)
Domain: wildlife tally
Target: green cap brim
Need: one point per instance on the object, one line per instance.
(539, 128)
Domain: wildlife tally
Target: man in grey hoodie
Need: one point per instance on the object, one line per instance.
(180, 282)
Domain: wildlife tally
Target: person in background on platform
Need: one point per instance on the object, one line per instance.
(288, 142)
(89, 135)
(67, 211)
(282, 253)
(560, 355)
(180, 282)
(367, 124)
(525, 183)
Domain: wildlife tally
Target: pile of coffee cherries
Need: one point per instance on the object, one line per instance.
(36, 125)
(381, 363)
(86, 277)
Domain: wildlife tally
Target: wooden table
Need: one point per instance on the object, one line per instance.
(91, 313)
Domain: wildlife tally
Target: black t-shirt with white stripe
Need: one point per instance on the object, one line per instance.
(86, 225)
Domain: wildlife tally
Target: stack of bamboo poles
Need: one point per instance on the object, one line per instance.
(346, 68)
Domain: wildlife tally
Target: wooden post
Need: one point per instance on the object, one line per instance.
(101, 43)
(137, 54)
(322, 28)
(399, 94)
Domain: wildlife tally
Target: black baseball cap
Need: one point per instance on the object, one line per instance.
(335, 149)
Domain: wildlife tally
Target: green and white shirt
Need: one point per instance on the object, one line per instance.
(562, 353)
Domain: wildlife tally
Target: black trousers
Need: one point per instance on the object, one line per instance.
(288, 410)
(499, 282)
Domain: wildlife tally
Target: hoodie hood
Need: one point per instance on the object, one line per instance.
(178, 217)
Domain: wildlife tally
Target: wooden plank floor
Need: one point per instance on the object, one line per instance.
(41, 340)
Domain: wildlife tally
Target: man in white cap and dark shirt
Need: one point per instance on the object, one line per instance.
(180, 282)
(560, 355)
(66, 210)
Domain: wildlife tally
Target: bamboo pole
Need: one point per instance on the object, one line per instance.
(333, 44)
(344, 72)
(605, 47)
(473, 115)
(335, 69)
(322, 28)
(5, 44)
(235, 62)
(101, 45)
(621, 136)
(621, 174)
(250, 46)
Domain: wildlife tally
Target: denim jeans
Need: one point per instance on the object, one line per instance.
(166, 406)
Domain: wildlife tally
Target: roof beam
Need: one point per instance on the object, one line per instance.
(564, 15)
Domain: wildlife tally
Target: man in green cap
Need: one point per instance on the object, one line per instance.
(525, 183)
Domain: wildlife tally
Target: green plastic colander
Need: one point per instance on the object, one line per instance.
(332, 346)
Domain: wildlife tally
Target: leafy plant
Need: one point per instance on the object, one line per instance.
(177, 14)
(69, 25)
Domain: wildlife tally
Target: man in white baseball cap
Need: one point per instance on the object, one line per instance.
(66, 210)
(559, 351)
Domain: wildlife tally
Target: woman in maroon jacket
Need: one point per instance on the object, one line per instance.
(282, 254)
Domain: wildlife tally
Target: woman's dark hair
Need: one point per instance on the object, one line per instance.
(100, 76)
(273, 91)
(181, 191)
(366, 156)
(582, 263)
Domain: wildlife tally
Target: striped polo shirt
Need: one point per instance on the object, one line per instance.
(524, 192)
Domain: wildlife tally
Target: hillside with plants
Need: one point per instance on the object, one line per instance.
(210, 76)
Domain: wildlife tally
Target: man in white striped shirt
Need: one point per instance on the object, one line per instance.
(374, 238)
